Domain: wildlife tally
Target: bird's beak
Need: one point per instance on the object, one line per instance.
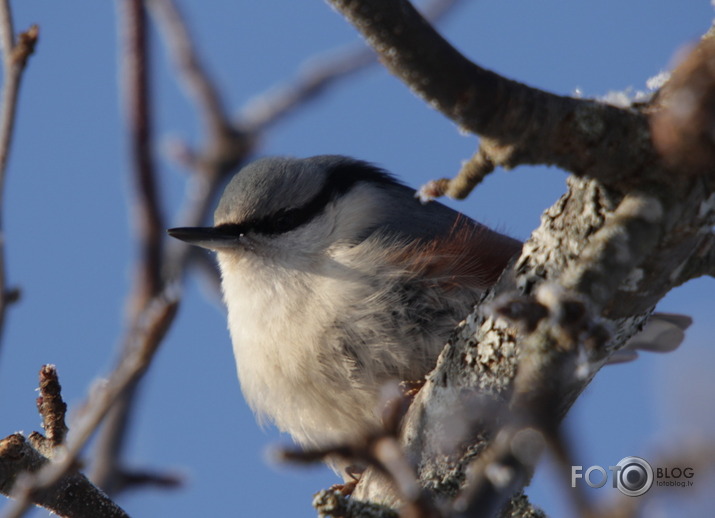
(206, 237)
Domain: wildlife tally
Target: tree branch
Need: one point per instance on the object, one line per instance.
(142, 345)
(518, 124)
(227, 144)
(316, 75)
(52, 409)
(14, 55)
(471, 174)
(149, 281)
(628, 221)
(186, 60)
(71, 494)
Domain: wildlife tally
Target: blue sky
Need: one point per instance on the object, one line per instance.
(70, 248)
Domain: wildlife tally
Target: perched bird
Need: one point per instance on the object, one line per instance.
(337, 280)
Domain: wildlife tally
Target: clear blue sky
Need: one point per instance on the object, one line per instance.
(70, 249)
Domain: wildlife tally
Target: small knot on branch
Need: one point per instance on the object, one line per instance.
(25, 46)
(12, 295)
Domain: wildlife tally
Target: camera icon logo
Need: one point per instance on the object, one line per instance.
(633, 476)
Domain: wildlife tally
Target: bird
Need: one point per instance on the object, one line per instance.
(337, 280)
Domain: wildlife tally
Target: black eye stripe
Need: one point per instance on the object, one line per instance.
(341, 178)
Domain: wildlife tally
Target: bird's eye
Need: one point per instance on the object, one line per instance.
(231, 228)
(280, 222)
(284, 221)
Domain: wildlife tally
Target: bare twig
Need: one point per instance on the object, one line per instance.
(208, 100)
(149, 281)
(473, 171)
(15, 55)
(318, 74)
(225, 149)
(135, 70)
(315, 76)
(143, 344)
(382, 452)
(71, 494)
(226, 143)
(52, 409)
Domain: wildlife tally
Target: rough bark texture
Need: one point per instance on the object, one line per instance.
(631, 226)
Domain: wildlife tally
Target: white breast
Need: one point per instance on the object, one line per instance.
(290, 372)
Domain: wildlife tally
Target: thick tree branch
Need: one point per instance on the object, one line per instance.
(72, 495)
(613, 242)
(518, 124)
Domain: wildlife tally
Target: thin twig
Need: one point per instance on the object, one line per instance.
(226, 145)
(196, 79)
(557, 329)
(52, 408)
(7, 30)
(143, 343)
(315, 76)
(14, 56)
(135, 70)
(224, 150)
(318, 74)
(149, 281)
(382, 452)
(72, 494)
(472, 172)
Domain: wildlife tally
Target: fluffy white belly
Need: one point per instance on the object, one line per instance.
(291, 368)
